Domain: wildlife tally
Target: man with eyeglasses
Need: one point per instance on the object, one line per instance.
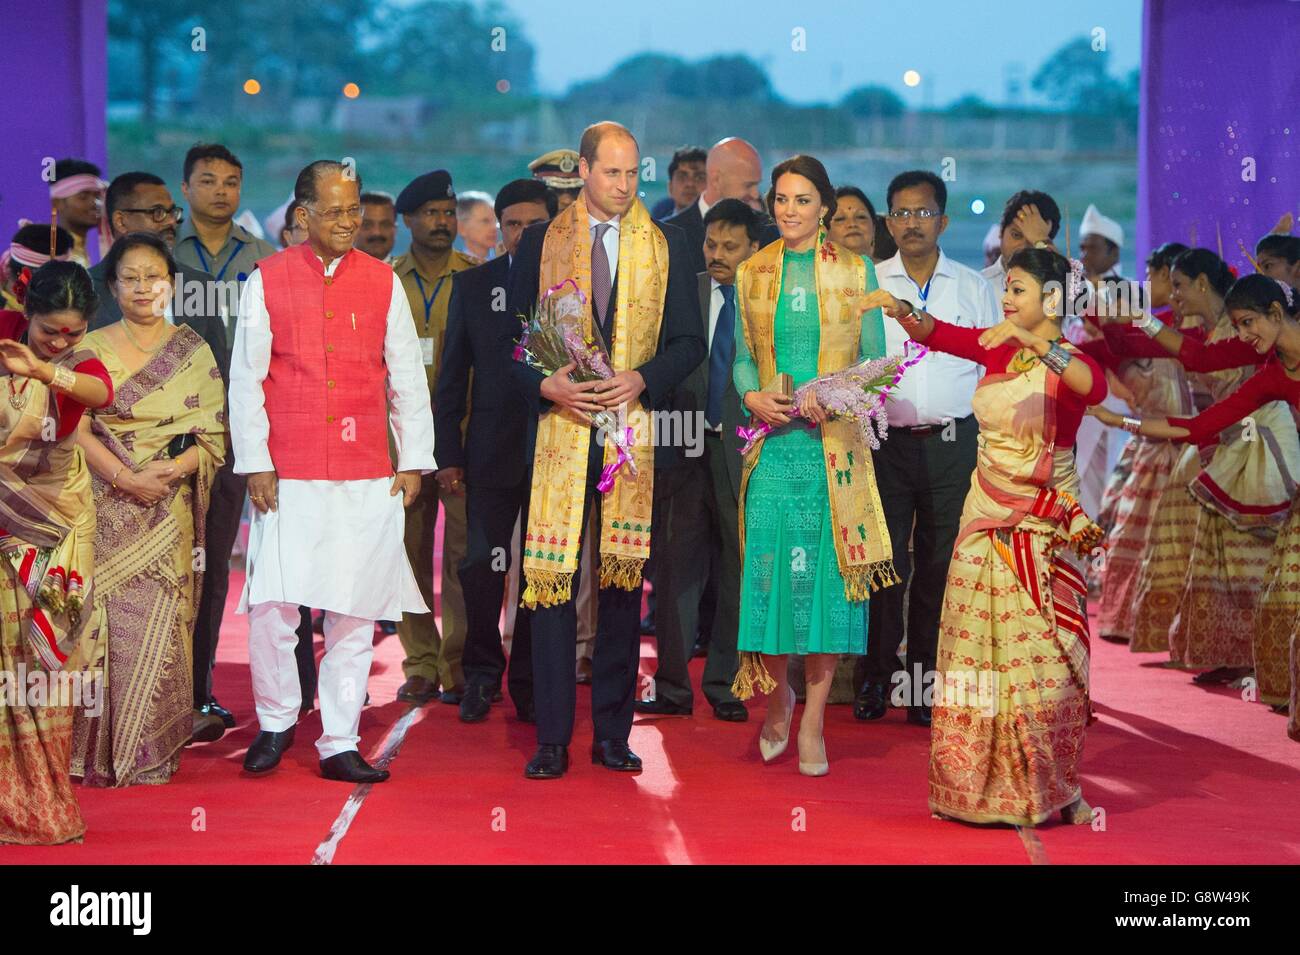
(924, 468)
(428, 208)
(210, 240)
(325, 366)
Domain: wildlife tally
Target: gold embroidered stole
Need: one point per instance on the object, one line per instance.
(862, 545)
(554, 529)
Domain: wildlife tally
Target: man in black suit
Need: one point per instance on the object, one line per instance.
(488, 466)
(609, 164)
(696, 520)
(141, 202)
(734, 171)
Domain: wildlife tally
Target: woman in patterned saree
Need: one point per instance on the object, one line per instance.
(1241, 492)
(48, 618)
(1263, 312)
(1011, 694)
(152, 452)
(805, 580)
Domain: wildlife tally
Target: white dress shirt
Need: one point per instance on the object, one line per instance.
(331, 545)
(704, 206)
(996, 276)
(715, 306)
(611, 240)
(939, 387)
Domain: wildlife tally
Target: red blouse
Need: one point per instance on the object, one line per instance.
(1270, 383)
(71, 410)
(1070, 407)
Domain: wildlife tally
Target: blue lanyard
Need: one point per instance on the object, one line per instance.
(428, 301)
(198, 246)
(922, 293)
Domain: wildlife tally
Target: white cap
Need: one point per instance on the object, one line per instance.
(1094, 223)
(993, 239)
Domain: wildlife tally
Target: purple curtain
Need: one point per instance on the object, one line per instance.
(1220, 105)
(55, 62)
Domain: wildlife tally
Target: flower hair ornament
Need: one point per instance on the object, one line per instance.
(1076, 284)
(1288, 293)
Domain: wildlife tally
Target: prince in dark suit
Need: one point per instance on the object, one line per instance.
(696, 521)
(608, 229)
(141, 202)
(489, 466)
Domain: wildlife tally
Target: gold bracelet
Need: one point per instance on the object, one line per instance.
(113, 483)
(64, 379)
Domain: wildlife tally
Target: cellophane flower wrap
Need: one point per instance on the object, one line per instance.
(552, 338)
(856, 393)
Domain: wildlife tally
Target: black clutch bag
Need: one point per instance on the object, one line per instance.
(177, 446)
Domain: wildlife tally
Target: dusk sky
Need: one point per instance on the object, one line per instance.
(957, 47)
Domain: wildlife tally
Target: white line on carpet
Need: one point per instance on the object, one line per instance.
(324, 854)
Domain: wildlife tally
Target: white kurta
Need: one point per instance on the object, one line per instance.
(331, 545)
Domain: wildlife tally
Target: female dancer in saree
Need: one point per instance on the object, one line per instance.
(1241, 491)
(813, 537)
(1011, 694)
(47, 601)
(1151, 386)
(1263, 312)
(152, 452)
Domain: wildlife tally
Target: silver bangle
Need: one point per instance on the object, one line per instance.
(1132, 425)
(65, 379)
(1150, 325)
(1057, 358)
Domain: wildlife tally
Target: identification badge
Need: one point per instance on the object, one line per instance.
(426, 349)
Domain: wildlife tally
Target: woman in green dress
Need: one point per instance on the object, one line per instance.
(813, 538)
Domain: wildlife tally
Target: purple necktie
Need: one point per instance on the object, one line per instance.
(600, 279)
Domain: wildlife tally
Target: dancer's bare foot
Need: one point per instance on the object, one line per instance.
(1078, 813)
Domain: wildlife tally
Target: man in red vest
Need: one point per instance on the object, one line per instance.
(325, 360)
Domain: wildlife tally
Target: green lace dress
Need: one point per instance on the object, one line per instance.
(792, 596)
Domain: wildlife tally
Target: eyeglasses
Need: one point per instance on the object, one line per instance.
(160, 213)
(136, 281)
(905, 214)
(335, 214)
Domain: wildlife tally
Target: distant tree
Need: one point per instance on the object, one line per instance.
(972, 105)
(155, 29)
(660, 75)
(1075, 77)
(873, 101)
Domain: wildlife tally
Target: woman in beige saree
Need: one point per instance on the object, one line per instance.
(49, 624)
(1011, 693)
(152, 452)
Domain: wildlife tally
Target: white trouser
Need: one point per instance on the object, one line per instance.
(344, 670)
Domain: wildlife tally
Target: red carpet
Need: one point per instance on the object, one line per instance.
(1184, 775)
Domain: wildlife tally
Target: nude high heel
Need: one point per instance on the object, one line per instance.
(771, 749)
(814, 768)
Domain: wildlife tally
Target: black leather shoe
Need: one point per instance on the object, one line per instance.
(216, 709)
(496, 695)
(349, 767)
(453, 696)
(417, 690)
(387, 627)
(475, 704)
(526, 712)
(700, 649)
(731, 711)
(920, 715)
(550, 762)
(614, 754)
(264, 755)
(871, 702)
(658, 707)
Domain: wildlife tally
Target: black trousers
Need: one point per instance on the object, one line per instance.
(697, 541)
(490, 514)
(221, 528)
(304, 654)
(614, 661)
(923, 482)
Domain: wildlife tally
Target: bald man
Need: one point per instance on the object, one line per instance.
(734, 171)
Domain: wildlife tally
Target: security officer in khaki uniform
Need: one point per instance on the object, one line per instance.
(428, 207)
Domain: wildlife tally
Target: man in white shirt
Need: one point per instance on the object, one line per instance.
(924, 468)
(309, 423)
(1029, 217)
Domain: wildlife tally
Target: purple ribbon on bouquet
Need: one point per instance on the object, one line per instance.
(559, 285)
(752, 435)
(606, 481)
